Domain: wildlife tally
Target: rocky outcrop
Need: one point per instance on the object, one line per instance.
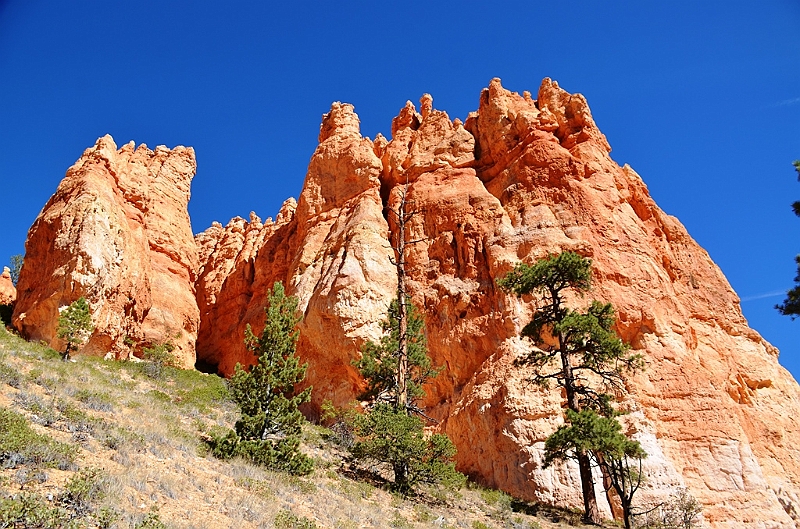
(117, 232)
(330, 249)
(8, 293)
(520, 179)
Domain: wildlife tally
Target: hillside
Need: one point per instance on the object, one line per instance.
(95, 443)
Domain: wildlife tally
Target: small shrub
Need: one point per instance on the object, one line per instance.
(95, 400)
(288, 520)
(340, 423)
(106, 517)
(159, 357)
(75, 325)
(10, 376)
(81, 490)
(20, 445)
(31, 510)
(398, 522)
(40, 412)
(75, 419)
(477, 524)
(151, 521)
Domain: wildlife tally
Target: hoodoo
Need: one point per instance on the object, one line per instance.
(117, 232)
(521, 178)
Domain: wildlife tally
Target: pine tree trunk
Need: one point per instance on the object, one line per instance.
(401, 476)
(591, 513)
(402, 367)
(626, 515)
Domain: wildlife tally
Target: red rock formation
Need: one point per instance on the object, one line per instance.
(116, 231)
(8, 293)
(520, 179)
(330, 249)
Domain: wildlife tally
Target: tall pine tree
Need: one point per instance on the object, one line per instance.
(578, 350)
(391, 431)
(269, 428)
(395, 369)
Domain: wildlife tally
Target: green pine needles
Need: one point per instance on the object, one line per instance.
(618, 457)
(791, 305)
(391, 433)
(579, 351)
(268, 432)
(75, 325)
(379, 362)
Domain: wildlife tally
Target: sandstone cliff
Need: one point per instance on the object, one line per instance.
(330, 249)
(116, 231)
(518, 179)
(521, 178)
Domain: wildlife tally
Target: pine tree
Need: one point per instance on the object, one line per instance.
(269, 428)
(791, 305)
(74, 325)
(379, 363)
(601, 438)
(391, 431)
(16, 266)
(387, 433)
(578, 350)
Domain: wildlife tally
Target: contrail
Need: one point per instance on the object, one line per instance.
(766, 294)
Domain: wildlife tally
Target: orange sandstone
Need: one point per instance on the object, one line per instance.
(116, 231)
(8, 293)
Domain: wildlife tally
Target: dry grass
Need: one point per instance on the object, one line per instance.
(141, 436)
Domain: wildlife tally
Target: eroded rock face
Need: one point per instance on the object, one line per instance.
(116, 231)
(520, 179)
(8, 293)
(330, 249)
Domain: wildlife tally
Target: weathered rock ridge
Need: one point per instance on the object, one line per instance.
(519, 179)
(117, 232)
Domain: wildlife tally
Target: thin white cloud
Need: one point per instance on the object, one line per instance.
(772, 294)
(787, 102)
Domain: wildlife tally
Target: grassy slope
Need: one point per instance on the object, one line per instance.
(119, 445)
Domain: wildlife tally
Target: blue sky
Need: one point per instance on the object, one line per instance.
(702, 98)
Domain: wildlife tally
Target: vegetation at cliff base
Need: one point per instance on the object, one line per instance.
(268, 431)
(134, 455)
(75, 325)
(579, 351)
(391, 431)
